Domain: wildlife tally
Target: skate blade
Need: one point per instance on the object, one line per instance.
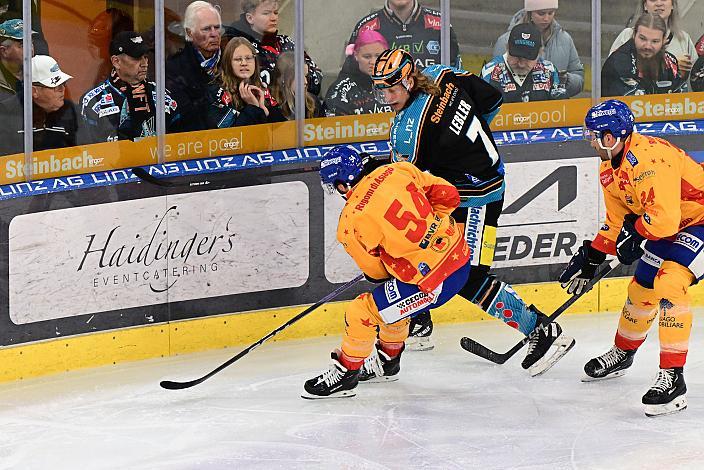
(561, 346)
(678, 404)
(612, 375)
(379, 380)
(340, 394)
(414, 343)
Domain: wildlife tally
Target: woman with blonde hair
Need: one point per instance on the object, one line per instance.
(237, 95)
(677, 41)
(283, 86)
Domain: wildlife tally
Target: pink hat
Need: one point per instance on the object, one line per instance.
(364, 38)
(533, 5)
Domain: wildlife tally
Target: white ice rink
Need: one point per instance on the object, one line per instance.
(449, 410)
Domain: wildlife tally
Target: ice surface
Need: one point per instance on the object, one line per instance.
(449, 410)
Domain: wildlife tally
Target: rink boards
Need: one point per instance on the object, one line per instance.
(116, 270)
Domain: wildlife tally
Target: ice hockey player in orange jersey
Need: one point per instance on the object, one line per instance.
(654, 192)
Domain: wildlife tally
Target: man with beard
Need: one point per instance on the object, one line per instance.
(519, 74)
(642, 66)
(123, 106)
(190, 72)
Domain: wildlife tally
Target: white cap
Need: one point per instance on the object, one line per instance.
(46, 71)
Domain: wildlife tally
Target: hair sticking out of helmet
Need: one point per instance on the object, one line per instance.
(612, 116)
(392, 67)
(340, 165)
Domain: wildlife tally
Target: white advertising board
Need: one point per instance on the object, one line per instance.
(188, 246)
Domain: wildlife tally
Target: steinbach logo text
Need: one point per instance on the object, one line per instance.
(145, 259)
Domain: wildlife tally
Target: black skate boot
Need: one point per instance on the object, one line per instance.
(548, 338)
(336, 382)
(667, 395)
(612, 363)
(379, 367)
(420, 329)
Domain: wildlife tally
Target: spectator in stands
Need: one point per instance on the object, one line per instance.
(174, 39)
(11, 51)
(259, 23)
(104, 27)
(190, 72)
(642, 65)
(558, 46)
(238, 97)
(677, 41)
(352, 92)
(123, 106)
(283, 89)
(12, 9)
(699, 46)
(55, 119)
(520, 74)
(407, 25)
(697, 76)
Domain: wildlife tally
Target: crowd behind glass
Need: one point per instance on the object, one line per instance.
(222, 75)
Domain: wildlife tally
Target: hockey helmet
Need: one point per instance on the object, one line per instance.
(392, 67)
(341, 164)
(611, 116)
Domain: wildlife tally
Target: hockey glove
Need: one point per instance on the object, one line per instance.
(581, 268)
(628, 242)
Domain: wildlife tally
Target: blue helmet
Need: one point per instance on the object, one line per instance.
(340, 164)
(611, 116)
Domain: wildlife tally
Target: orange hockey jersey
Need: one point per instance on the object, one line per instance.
(396, 223)
(655, 180)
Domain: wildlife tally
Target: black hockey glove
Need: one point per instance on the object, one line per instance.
(581, 268)
(628, 242)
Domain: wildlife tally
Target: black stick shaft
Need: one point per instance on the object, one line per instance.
(171, 385)
(480, 350)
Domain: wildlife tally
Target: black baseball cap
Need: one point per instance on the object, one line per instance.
(525, 41)
(130, 43)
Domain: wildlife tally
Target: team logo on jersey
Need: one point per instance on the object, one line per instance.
(631, 158)
(439, 245)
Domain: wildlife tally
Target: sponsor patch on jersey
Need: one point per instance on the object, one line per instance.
(605, 228)
(645, 175)
(431, 21)
(433, 47)
(688, 241)
(631, 158)
(629, 200)
(372, 25)
(391, 290)
(107, 99)
(647, 220)
(510, 87)
(606, 177)
(439, 245)
(423, 268)
(109, 111)
(651, 259)
(96, 108)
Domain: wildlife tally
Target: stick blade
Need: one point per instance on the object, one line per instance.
(468, 344)
(170, 385)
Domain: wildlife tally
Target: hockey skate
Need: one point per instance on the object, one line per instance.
(420, 330)
(546, 345)
(609, 365)
(379, 367)
(336, 382)
(667, 395)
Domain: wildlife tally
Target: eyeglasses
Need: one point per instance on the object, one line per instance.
(242, 60)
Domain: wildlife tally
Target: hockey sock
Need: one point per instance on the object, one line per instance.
(671, 284)
(350, 363)
(636, 317)
(499, 300)
(391, 349)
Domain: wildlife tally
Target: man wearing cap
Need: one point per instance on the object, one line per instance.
(11, 51)
(55, 120)
(123, 106)
(519, 74)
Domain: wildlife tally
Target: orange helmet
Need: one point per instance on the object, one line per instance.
(393, 66)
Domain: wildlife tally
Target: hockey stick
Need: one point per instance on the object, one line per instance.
(480, 350)
(171, 385)
(145, 176)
